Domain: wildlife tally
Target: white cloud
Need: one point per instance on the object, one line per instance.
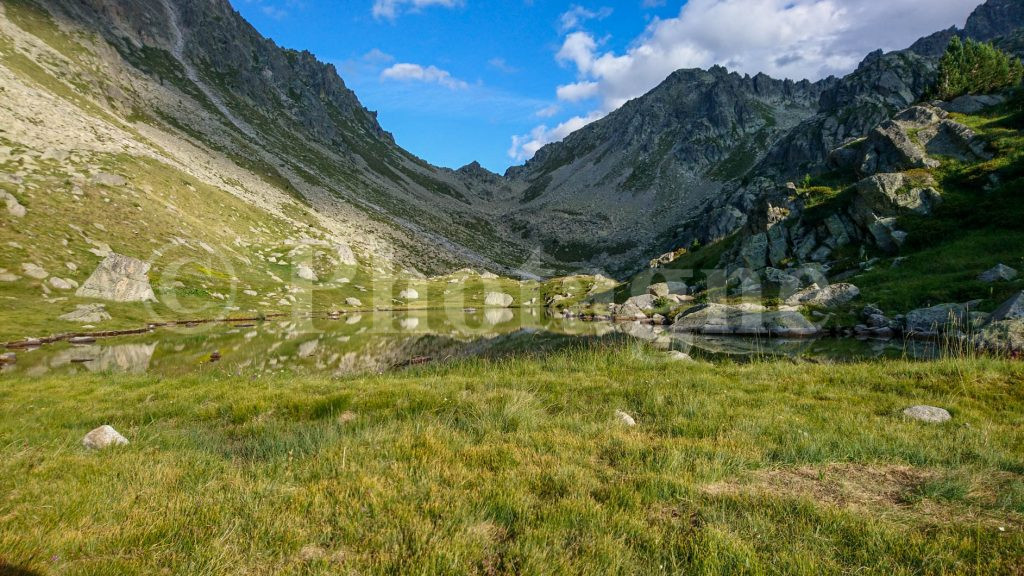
(390, 9)
(405, 71)
(577, 92)
(577, 16)
(524, 147)
(783, 38)
(548, 111)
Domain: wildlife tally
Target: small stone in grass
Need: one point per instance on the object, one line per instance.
(103, 437)
(928, 414)
(625, 418)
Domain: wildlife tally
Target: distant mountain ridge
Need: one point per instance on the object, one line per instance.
(191, 82)
(690, 160)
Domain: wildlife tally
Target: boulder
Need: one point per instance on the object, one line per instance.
(119, 279)
(998, 273)
(888, 194)
(786, 282)
(972, 104)
(111, 180)
(1005, 336)
(14, 208)
(34, 271)
(1012, 309)
(355, 302)
(8, 358)
(954, 140)
(831, 296)
(498, 300)
(723, 319)
(659, 290)
(937, 319)
(630, 310)
(6, 276)
(306, 273)
(677, 356)
(103, 437)
(346, 257)
(87, 314)
(409, 294)
(643, 301)
(754, 251)
(929, 414)
(63, 283)
(889, 148)
(489, 276)
(625, 418)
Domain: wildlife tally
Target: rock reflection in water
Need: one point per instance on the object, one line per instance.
(130, 358)
(381, 341)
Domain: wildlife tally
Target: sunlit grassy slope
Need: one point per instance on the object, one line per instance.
(521, 466)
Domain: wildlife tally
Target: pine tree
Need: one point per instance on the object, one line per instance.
(976, 68)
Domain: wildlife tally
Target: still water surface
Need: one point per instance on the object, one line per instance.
(382, 341)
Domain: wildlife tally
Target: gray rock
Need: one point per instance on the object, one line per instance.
(103, 437)
(8, 358)
(306, 273)
(62, 283)
(111, 180)
(721, 319)
(778, 244)
(6, 276)
(625, 418)
(754, 252)
(832, 296)
(677, 356)
(346, 256)
(34, 271)
(354, 302)
(14, 208)
(119, 279)
(409, 294)
(87, 314)
(954, 140)
(659, 290)
(1005, 336)
(929, 414)
(890, 149)
(888, 194)
(643, 301)
(937, 319)
(999, 273)
(972, 104)
(630, 310)
(1012, 309)
(786, 282)
(498, 300)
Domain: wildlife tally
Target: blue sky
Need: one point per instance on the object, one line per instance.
(463, 80)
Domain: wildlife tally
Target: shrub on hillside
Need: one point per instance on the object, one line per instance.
(976, 68)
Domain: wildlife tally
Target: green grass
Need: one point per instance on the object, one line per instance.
(520, 466)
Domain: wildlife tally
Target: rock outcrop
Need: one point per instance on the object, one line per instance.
(119, 279)
(721, 319)
(498, 300)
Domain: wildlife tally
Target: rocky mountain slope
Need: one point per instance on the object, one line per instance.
(193, 86)
(691, 160)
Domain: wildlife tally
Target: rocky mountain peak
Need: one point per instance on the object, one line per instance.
(995, 18)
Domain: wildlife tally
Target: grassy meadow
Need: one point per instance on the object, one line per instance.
(521, 466)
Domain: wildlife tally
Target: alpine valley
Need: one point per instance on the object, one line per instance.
(738, 325)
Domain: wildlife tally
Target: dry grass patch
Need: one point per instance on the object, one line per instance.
(887, 491)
